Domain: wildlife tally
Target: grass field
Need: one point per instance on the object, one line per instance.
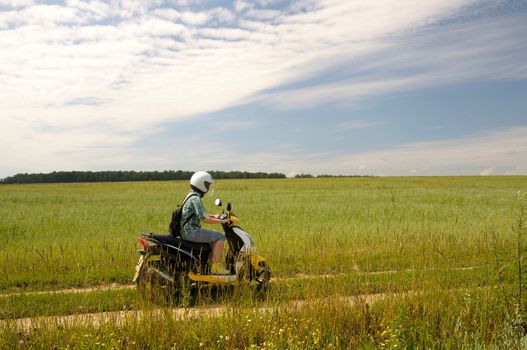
(446, 254)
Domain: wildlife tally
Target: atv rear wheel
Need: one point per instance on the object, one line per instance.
(154, 288)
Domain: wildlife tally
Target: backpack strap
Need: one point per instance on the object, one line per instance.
(182, 204)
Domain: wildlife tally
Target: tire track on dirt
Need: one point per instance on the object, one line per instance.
(100, 288)
(117, 286)
(123, 316)
(120, 318)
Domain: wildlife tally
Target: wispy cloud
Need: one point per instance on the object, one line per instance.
(107, 73)
(488, 50)
(171, 59)
(487, 172)
(494, 153)
(89, 101)
(354, 125)
(479, 154)
(500, 152)
(233, 125)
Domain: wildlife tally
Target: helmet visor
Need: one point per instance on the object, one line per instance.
(210, 187)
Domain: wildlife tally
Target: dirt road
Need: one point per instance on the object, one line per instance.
(121, 317)
(116, 286)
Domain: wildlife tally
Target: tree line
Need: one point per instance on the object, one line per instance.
(118, 176)
(311, 176)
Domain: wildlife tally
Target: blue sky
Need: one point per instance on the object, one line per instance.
(298, 86)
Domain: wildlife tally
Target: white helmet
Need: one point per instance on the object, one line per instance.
(202, 181)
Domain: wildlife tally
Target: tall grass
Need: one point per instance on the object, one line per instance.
(372, 235)
(84, 234)
(447, 320)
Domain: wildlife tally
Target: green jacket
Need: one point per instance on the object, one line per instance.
(192, 214)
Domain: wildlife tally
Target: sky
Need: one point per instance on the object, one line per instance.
(340, 87)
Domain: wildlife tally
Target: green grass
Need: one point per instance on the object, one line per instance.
(84, 234)
(22, 306)
(79, 235)
(451, 320)
(282, 290)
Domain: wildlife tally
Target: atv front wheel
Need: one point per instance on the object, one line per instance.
(263, 274)
(263, 277)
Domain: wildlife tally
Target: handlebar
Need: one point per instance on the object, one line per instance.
(233, 219)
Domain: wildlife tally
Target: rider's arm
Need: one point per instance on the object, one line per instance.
(213, 220)
(206, 218)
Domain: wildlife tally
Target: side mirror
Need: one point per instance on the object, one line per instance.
(228, 206)
(217, 202)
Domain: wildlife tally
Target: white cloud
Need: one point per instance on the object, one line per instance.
(242, 5)
(487, 172)
(265, 3)
(106, 73)
(291, 174)
(465, 156)
(186, 17)
(167, 63)
(230, 126)
(363, 167)
(488, 50)
(517, 170)
(263, 14)
(16, 3)
(98, 8)
(354, 125)
(194, 18)
(223, 15)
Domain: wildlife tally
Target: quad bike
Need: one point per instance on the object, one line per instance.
(168, 264)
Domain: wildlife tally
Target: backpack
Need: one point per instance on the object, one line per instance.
(175, 224)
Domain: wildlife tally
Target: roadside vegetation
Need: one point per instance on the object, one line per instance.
(447, 254)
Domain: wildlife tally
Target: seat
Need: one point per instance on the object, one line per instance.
(181, 243)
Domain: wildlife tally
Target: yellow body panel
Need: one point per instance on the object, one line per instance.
(215, 279)
(234, 221)
(255, 260)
